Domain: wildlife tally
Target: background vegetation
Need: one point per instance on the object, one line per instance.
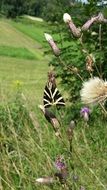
(28, 145)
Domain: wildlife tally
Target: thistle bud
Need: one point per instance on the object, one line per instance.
(90, 62)
(100, 17)
(53, 45)
(75, 70)
(88, 24)
(85, 113)
(70, 130)
(62, 168)
(45, 180)
(67, 19)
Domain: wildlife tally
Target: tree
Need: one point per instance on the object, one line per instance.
(13, 8)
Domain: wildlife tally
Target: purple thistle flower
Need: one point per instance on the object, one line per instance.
(85, 112)
(59, 163)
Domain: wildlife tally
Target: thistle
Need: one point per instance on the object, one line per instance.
(94, 91)
(101, 18)
(90, 60)
(45, 180)
(62, 169)
(68, 20)
(88, 24)
(53, 45)
(85, 112)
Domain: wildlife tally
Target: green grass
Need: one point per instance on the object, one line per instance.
(21, 59)
(30, 73)
(10, 36)
(33, 29)
(17, 52)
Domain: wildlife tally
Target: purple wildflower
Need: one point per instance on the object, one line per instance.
(85, 113)
(59, 164)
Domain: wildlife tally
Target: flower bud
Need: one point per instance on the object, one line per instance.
(45, 180)
(70, 130)
(62, 168)
(67, 19)
(88, 24)
(85, 113)
(90, 60)
(53, 45)
(100, 17)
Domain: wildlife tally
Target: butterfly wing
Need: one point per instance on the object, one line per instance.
(52, 96)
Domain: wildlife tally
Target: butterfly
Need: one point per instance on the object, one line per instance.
(52, 95)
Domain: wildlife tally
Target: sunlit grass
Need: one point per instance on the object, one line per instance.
(33, 29)
(17, 52)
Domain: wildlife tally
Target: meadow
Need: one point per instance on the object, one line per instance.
(28, 144)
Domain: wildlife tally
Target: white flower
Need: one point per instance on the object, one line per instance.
(66, 18)
(94, 91)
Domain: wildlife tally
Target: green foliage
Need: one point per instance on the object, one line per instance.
(13, 8)
(74, 50)
(28, 149)
(16, 52)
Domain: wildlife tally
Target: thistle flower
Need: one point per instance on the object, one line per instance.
(53, 45)
(62, 168)
(101, 18)
(94, 91)
(85, 113)
(88, 24)
(51, 118)
(90, 62)
(68, 20)
(59, 164)
(70, 130)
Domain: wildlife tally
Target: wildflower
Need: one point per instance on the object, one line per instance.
(18, 83)
(94, 91)
(68, 20)
(59, 164)
(51, 118)
(70, 130)
(53, 45)
(90, 62)
(101, 18)
(45, 180)
(85, 113)
(61, 167)
(88, 24)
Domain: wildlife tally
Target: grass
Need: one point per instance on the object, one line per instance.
(18, 52)
(28, 145)
(10, 36)
(33, 29)
(31, 74)
(21, 59)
